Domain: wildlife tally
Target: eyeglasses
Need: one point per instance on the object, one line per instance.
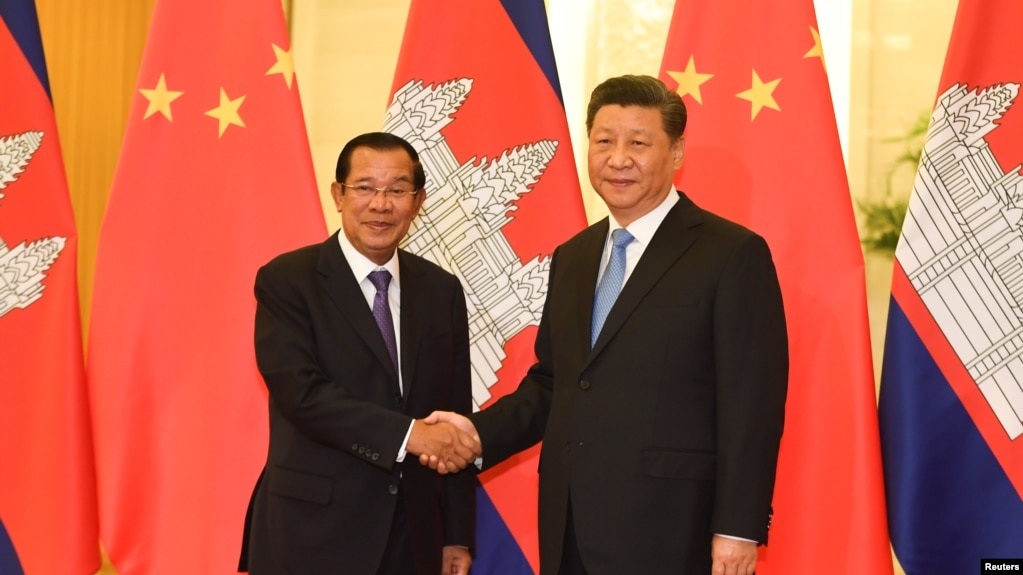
(365, 192)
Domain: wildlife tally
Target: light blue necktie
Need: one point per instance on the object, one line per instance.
(611, 282)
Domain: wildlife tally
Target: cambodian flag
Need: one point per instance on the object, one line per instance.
(951, 405)
(476, 92)
(48, 518)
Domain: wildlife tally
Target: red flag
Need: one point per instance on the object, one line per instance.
(951, 401)
(476, 92)
(47, 485)
(214, 179)
(762, 149)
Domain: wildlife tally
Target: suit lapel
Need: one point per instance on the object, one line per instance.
(589, 264)
(413, 319)
(673, 237)
(338, 281)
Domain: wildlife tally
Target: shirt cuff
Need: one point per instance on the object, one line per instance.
(735, 538)
(404, 444)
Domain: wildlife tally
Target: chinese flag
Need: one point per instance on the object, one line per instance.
(47, 485)
(476, 92)
(762, 149)
(214, 179)
(951, 402)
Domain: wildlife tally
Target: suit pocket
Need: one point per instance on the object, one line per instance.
(301, 486)
(698, 465)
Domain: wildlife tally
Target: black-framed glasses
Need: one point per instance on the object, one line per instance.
(393, 192)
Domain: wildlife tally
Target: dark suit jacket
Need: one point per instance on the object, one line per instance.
(667, 431)
(326, 499)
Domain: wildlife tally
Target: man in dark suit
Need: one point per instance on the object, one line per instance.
(661, 422)
(354, 339)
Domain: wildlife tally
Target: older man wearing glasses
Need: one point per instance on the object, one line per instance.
(355, 340)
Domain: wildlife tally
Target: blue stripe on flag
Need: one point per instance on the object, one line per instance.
(530, 19)
(497, 553)
(20, 17)
(9, 564)
(949, 501)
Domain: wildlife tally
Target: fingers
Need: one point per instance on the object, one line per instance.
(458, 420)
(456, 560)
(443, 446)
(733, 556)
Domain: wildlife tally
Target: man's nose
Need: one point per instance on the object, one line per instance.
(620, 156)
(380, 201)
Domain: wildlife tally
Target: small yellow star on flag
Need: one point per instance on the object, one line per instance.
(817, 51)
(160, 99)
(760, 95)
(227, 112)
(689, 81)
(285, 65)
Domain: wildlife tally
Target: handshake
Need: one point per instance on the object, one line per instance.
(445, 441)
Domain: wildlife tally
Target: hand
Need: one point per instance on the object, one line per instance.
(733, 556)
(464, 425)
(444, 441)
(456, 560)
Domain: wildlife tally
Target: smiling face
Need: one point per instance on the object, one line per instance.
(375, 225)
(632, 160)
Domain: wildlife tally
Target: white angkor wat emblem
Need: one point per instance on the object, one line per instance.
(962, 244)
(23, 267)
(460, 226)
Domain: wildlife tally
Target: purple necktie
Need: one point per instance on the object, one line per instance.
(382, 313)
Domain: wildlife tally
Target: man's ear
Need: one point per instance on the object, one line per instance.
(337, 192)
(679, 152)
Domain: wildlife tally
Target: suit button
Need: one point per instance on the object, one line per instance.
(392, 489)
(355, 447)
(362, 450)
(584, 384)
(375, 456)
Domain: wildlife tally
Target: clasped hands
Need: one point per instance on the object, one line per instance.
(445, 441)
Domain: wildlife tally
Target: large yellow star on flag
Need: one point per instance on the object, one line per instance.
(285, 65)
(227, 112)
(817, 50)
(689, 81)
(761, 95)
(160, 99)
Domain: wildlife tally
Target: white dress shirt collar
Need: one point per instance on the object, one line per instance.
(644, 228)
(362, 266)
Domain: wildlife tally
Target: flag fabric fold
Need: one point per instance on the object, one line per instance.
(762, 149)
(476, 92)
(214, 178)
(47, 485)
(951, 404)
